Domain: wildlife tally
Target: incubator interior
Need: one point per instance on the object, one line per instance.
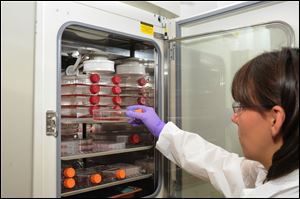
(101, 154)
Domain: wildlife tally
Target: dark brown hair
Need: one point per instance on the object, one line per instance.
(273, 79)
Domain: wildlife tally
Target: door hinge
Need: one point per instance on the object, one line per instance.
(51, 123)
(172, 51)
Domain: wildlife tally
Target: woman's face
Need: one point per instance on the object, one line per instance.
(255, 135)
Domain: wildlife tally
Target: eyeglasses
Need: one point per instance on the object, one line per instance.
(238, 107)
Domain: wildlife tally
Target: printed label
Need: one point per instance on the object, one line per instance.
(147, 28)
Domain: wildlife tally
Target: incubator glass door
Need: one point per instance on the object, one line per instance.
(200, 89)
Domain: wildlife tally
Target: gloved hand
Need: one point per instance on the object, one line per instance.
(148, 117)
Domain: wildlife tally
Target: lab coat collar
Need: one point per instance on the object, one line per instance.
(274, 187)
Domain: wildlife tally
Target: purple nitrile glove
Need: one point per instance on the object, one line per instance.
(148, 117)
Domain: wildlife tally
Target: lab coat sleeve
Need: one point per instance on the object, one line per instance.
(202, 159)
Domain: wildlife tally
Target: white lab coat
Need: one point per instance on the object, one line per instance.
(232, 175)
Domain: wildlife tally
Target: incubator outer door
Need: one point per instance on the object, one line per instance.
(114, 19)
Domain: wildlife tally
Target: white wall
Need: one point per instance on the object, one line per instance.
(17, 72)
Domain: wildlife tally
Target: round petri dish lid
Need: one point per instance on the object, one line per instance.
(131, 67)
(99, 64)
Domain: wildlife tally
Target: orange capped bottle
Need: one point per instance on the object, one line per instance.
(95, 178)
(120, 174)
(114, 174)
(69, 172)
(139, 110)
(137, 120)
(88, 177)
(69, 183)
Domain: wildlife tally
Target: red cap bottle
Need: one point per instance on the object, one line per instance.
(116, 90)
(116, 79)
(94, 88)
(142, 81)
(95, 78)
(141, 100)
(94, 99)
(134, 138)
(117, 100)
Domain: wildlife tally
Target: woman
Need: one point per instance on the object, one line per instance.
(266, 111)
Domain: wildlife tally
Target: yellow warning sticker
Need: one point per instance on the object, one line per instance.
(146, 28)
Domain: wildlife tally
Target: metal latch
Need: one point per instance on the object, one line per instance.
(172, 51)
(51, 123)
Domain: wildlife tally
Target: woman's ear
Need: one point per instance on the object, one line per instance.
(277, 119)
